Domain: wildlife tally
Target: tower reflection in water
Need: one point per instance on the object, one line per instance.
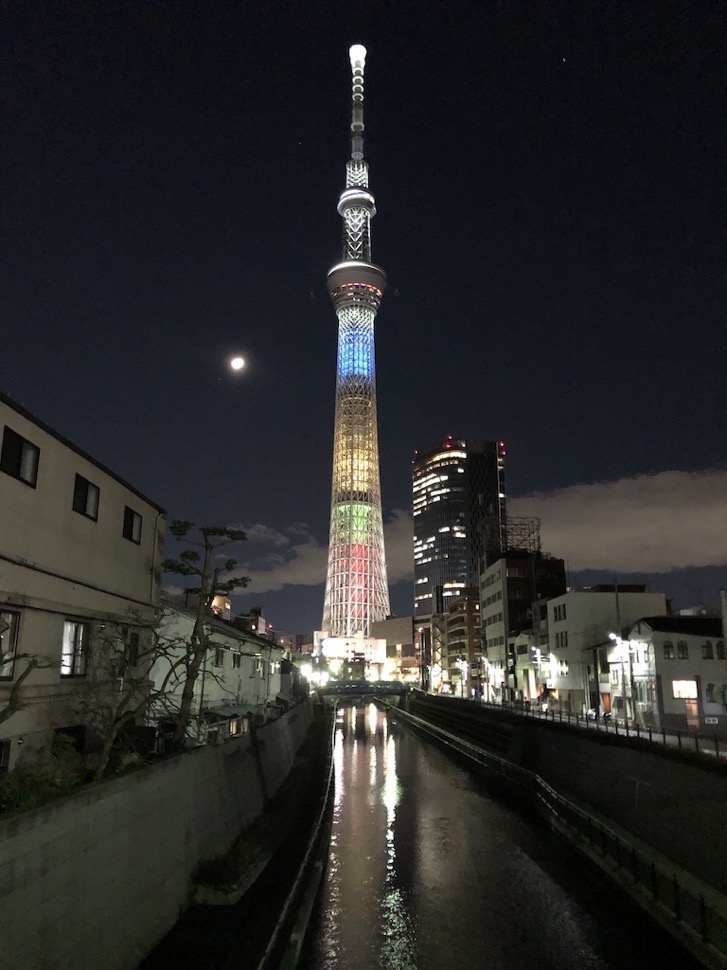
(366, 919)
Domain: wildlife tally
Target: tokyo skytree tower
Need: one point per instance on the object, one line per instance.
(356, 587)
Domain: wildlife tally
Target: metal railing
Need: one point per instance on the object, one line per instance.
(710, 744)
(685, 907)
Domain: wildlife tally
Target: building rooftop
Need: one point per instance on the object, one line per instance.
(79, 451)
(700, 626)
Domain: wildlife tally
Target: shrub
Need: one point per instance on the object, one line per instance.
(57, 770)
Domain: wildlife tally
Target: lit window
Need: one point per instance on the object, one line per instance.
(85, 498)
(9, 621)
(686, 689)
(74, 653)
(132, 525)
(19, 458)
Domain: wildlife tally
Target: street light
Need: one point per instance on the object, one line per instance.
(463, 667)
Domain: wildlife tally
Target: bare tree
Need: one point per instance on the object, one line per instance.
(120, 691)
(14, 701)
(212, 580)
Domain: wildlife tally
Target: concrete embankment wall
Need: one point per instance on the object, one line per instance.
(676, 806)
(96, 879)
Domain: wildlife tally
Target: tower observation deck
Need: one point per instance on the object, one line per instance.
(356, 586)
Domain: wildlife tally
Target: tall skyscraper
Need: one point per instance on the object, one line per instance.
(457, 486)
(356, 589)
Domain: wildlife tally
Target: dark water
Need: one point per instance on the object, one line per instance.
(427, 870)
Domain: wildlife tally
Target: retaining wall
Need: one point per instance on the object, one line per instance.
(96, 879)
(673, 802)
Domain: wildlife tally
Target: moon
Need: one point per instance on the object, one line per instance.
(237, 363)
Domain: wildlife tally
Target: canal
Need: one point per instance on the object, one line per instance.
(427, 869)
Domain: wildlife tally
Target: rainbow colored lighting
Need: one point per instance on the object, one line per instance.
(356, 586)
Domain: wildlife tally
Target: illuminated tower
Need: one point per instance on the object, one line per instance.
(356, 587)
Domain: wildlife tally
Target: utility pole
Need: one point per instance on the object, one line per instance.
(619, 641)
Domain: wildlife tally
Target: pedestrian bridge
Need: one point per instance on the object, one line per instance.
(362, 689)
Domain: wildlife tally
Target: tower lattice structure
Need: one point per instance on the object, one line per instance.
(356, 588)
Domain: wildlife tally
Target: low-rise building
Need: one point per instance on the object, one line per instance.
(80, 554)
(402, 651)
(463, 644)
(670, 672)
(241, 675)
(571, 665)
(509, 589)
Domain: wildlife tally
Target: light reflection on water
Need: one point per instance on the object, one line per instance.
(364, 919)
(398, 949)
(426, 871)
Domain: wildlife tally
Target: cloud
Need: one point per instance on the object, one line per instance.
(264, 534)
(302, 561)
(648, 523)
(645, 524)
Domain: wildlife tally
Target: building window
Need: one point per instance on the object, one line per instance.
(686, 689)
(236, 660)
(129, 645)
(682, 650)
(219, 657)
(132, 525)
(709, 694)
(19, 458)
(74, 654)
(668, 650)
(9, 621)
(720, 650)
(707, 652)
(85, 498)
(4, 756)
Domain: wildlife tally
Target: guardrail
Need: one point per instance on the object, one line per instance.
(692, 912)
(710, 744)
(286, 941)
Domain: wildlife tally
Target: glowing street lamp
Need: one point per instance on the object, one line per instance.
(463, 668)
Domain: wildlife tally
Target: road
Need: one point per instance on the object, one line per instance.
(427, 870)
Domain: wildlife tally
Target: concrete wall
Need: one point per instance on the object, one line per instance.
(97, 879)
(676, 807)
(673, 805)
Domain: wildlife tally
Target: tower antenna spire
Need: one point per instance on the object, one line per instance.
(357, 55)
(357, 592)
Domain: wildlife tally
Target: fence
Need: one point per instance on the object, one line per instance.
(683, 740)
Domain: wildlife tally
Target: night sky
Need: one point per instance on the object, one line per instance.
(550, 193)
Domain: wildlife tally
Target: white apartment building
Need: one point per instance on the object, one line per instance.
(579, 624)
(80, 554)
(240, 676)
(670, 672)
